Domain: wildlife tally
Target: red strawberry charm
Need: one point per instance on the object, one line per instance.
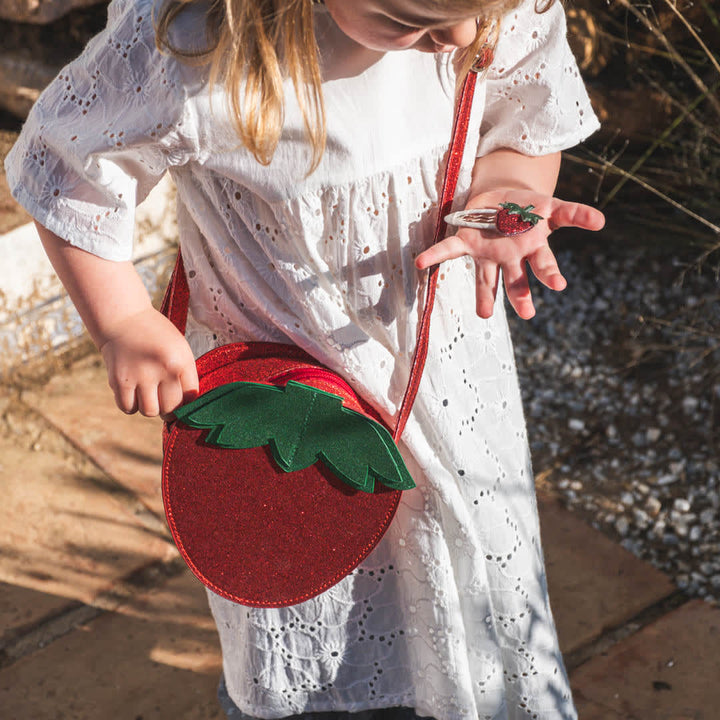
(512, 219)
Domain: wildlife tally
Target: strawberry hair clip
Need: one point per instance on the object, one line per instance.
(509, 219)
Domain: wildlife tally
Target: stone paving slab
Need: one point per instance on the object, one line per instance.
(21, 608)
(157, 658)
(594, 583)
(66, 532)
(128, 448)
(667, 671)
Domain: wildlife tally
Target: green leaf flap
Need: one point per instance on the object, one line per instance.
(302, 425)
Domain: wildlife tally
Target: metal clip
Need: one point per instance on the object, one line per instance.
(482, 219)
(483, 59)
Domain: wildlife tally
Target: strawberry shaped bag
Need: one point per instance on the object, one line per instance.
(278, 480)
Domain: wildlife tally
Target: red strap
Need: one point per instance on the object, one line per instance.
(454, 163)
(175, 302)
(177, 296)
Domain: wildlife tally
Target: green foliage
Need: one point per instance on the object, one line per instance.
(302, 425)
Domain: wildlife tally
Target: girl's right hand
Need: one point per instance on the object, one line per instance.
(150, 366)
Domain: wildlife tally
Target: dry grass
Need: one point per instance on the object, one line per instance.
(654, 66)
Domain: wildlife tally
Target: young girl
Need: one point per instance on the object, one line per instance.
(307, 155)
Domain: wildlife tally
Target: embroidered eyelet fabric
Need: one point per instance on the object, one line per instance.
(450, 614)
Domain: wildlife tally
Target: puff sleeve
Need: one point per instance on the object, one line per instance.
(102, 134)
(535, 100)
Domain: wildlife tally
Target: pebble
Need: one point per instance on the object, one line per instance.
(651, 475)
(681, 505)
(707, 516)
(642, 519)
(689, 404)
(653, 505)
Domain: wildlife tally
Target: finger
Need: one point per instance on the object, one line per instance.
(570, 214)
(546, 270)
(518, 290)
(170, 396)
(147, 397)
(125, 397)
(486, 283)
(189, 382)
(448, 249)
(188, 390)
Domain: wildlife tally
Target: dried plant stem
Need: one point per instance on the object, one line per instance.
(671, 4)
(637, 47)
(684, 330)
(658, 141)
(603, 165)
(680, 105)
(677, 57)
(700, 260)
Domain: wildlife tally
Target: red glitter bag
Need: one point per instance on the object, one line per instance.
(278, 480)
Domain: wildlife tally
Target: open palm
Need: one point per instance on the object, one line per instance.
(493, 252)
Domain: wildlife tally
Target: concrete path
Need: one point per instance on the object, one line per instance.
(99, 619)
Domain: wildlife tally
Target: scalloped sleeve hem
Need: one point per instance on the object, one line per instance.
(535, 99)
(103, 134)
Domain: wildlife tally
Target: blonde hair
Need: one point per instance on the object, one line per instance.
(254, 45)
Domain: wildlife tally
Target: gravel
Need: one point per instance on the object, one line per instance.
(620, 376)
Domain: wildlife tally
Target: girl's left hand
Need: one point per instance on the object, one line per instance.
(493, 252)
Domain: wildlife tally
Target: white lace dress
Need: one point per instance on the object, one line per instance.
(450, 614)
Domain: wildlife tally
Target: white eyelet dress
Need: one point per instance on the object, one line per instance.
(449, 614)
